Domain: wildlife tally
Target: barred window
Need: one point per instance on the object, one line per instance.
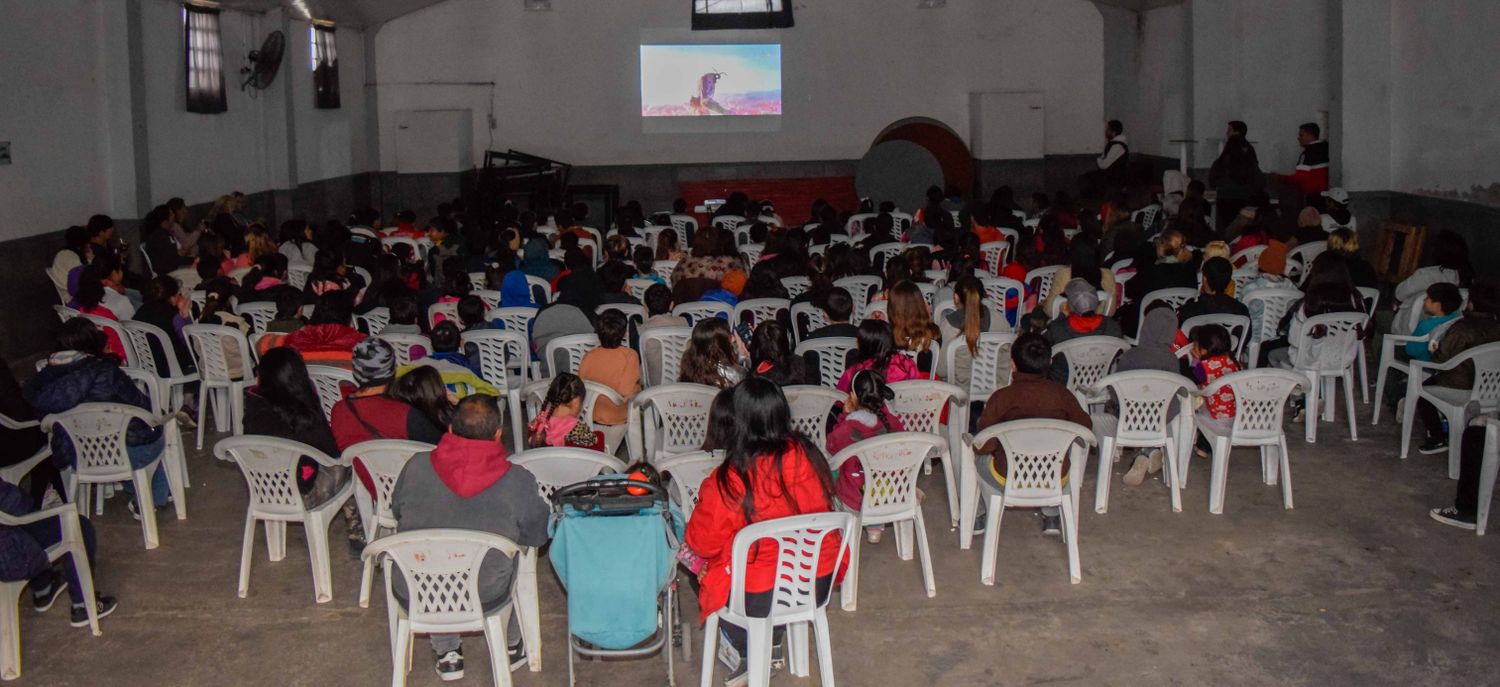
(204, 59)
(325, 68)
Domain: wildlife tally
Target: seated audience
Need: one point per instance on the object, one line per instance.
(1480, 325)
(838, 307)
(771, 355)
(1215, 281)
(1078, 319)
(25, 560)
(559, 422)
(713, 356)
(876, 350)
(467, 482)
(864, 417)
(284, 404)
(328, 338)
(612, 364)
(288, 313)
(1212, 358)
(404, 314)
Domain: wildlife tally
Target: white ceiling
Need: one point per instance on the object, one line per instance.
(362, 13)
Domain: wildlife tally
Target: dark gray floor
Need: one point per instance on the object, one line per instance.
(1356, 585)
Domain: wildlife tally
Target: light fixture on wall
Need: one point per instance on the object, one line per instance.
(931, 4)
(538, 5)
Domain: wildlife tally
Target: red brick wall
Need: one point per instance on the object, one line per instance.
(793, 198)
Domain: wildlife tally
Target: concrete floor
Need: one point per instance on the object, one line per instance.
(1356, 585)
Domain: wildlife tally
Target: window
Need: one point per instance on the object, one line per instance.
(325, 68)
(205, 60)
(741, 14)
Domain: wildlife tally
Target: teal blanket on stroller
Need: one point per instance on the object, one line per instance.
(614, 569)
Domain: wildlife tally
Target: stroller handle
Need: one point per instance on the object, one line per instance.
(609, 495)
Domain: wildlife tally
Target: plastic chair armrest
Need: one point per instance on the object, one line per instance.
(61, 511)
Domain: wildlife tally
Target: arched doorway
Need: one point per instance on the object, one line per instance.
(950, 151)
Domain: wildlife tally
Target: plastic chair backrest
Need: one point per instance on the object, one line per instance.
(1371, 297)
(1274, 304)
(1336, 349)
(795, 286)
(270, 468)
(142, 337)
(1248, 257)
(448, 310)
(375, 320)
(760, 310)
(207, 344)
(383, 460)
(1299, 259)
(999, 290)
(555, 467)
(674, 415)
(816, 319)
(901, 221)
(810, 407)
(873, 311)
(490, 297)
(1486, 361)
(442, 571)
(833, 356)
(673, 342)
(1237, 325)
(929, 294)
(752, 252)
(987, 362)
(259, 313)
(891, 462)
(664, 269)
(1259, 398)
(920, 404)
(1089, 358)
(407, 346)
(132, 356)
(514, 319)
(856, 223)
(638, 287)
(632, 312)
(1040, 280)
(574, 346)
(534, 395)
(1144, 398)
(688, 470)
(541, 289)
(994, 254)
(683, 225)
(500, 352)
(97, 432)
(799, 542)
(728, 222)
(1243, 276)
(1034, 452)
(329, 382)
(861, 287)
(881, 255)
(701, 310)
(1174, 297)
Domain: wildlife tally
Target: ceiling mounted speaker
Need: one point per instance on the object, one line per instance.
(538, 5)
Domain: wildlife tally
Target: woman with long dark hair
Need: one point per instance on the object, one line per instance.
(769, 471)
(876, 350)
(422, 388)
(712, 356)
(284, 403)
(771, 355)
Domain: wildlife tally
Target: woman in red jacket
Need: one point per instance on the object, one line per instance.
(769, 472)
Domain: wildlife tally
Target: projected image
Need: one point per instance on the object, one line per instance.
(710, 80)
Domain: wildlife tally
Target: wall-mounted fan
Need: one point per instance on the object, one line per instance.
(264, 62)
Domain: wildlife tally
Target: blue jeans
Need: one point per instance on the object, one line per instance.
(142, 455)
(47, 533)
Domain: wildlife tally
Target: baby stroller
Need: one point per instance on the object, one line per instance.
(614, 547)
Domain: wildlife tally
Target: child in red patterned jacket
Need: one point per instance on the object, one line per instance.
(1211, 350)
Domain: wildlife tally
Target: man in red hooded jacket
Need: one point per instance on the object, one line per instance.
(467, 482)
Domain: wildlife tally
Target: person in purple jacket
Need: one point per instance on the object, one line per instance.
(23, 557)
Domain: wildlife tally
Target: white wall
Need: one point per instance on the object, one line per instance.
(1146, 73)
(66, 108)
(52, 116)
(566, 81)
(1444, 98)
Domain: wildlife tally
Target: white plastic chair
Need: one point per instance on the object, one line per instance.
(1449, 401)
(856, 223)
(541, 289)
(14, 473)
(1389, 361)
(65, 313)
(727, 222)
(573, 346)
(383, 460)
(890, 462)
(1238, 327)
(833, 356)
(1040, 280)
(1173, 297)
(514, 319)
(669, 420)
(861, 288)
(638, 287)
(259, 313)
(226, 393)
(1248, 256)
(1260, 402)
(70, 544)
(534, 395)
(555, 467)
(1035, 451)
(448, 311)
(1274, 304)
(374, 320)
(999, 290)
(815, 317)
(901, 220)
(504, 358)
(796, 286)
(1243, 276)
(684, 225)
(238, 274)
(994, 254)
(920, 404)
(687, 472)
(407, 346)
(873, 311)
(297, 274)
(986, 363)
(632, 312)
(172, 382)
(270, 468)
(104, 324)
(810, 407)
(794, 602)
(329, 381)
(1326, 360)
(441, 569)
(702, 310)
(673, 342)
(1089, 359)
(881, 255)
(1371, 298)
(751, 253)
(664, 269)
(759, 310)
(1300, 259)
(1145, 398)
